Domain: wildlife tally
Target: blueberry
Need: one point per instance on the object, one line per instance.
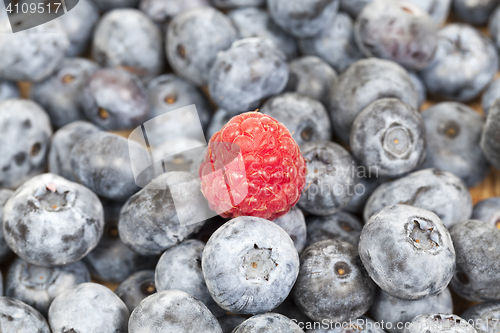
(332, 283)
(229, 322)
(453, 132)
(60, 93)
(50, 221)
(437, 9)
(294, 224)
(439, 323)
(490, 96)
(311, 76)
(172, 311)
(8, 89)
(101, 161)
(330, 179)
(494, 26)
(88, 307)
(362, 191)
(79, 25)
(302, 18)
(438, 191)
(16, 316)
(62, 142)
(490, 140)
(360, 325)
(487, 210)
(179, 268)
(193, 40)
(250, 265)
(252, 69)
(106, 5)
(38, 286)
(160, 228)
(31, 55)
(484, 315)
(115, 100)
(24, 141)
(256, 22)
(162, 12)
(219, 119)
(237, 3)
(477, 277)
(334, 43)
(353, 7)
(136, 288)
(269, 323)
(460, 47)
(397, 31)
(362, 83)
(419, 87)
(5, 251)
(168, 93)
(340, 226)
(395, 312)
(389, 136)
(474, 12)
(306, 118)
(129, 39)
(408, 252)
(112, 260)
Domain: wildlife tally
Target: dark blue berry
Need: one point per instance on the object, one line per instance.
(332, 283)
(453, 132)
(477, 277)
(136, 288)
(408, 252)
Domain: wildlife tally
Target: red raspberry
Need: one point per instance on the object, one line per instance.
(265, 180)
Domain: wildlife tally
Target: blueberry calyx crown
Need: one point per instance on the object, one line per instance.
(397, 141)
(342, 269)
(423, 234)
(38, 277)
(450, 129)
(53, 198)
(148, 287)
(307, 134)
(462, 277)
(258, 263)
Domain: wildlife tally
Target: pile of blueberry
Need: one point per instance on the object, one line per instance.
(339, 207)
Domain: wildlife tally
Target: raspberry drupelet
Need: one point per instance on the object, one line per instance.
(273, 176)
